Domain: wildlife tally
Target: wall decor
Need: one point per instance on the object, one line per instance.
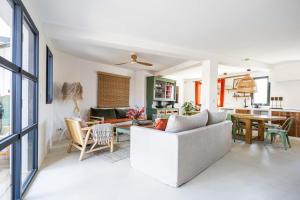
(49, 76)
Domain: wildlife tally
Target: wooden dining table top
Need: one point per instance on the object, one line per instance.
(260, 117)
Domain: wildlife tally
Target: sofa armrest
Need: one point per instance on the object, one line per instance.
(199, 148)
(155, 153)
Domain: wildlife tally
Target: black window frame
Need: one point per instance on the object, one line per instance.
(20, 14)
(268, 92)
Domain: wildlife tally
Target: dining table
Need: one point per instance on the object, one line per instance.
(261, 120)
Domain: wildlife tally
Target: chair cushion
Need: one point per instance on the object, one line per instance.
(107, 113)
(161, 124)
(183, 123)
(114, 121)
(216, 117)
(121, 113)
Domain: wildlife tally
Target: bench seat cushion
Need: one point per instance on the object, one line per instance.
(114, 121)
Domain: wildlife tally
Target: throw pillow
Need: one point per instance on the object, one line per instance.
(161, 124)
(178, 123)
(121, 113)
(216, 117)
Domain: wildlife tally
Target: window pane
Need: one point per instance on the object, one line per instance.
(5, 174)
(261, 96)
(27, 155)
(6, 19)
(27, 102)
(5, 102)
(28, 49)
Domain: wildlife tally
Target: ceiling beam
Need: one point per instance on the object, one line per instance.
(176, 68)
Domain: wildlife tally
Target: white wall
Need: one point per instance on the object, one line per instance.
(68, 68)
(287, 71)
(140, 87)
(189, 90)
(285, 82)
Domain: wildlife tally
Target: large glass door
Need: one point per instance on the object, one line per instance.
(18, 99)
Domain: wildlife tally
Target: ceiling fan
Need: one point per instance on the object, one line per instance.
(135, 61)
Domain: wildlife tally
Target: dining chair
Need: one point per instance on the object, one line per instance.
(236, 126)
(282, 131)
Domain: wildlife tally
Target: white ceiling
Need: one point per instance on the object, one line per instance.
(113, 56)
(266, 31)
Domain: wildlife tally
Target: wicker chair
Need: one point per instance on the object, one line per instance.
(81, 138)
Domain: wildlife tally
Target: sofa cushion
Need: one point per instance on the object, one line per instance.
(107, 113)
(216, 117)
(183, 123)
(121, 113)
(161, 124)
(114, 121)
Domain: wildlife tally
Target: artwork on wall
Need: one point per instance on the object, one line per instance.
(49, 76)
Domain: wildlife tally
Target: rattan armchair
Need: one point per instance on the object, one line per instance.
(81, 138)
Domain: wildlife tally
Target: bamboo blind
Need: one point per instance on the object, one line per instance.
(113, 90)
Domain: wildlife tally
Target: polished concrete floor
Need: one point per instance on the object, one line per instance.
(248, 172)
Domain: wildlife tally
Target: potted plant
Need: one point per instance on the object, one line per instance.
(188, 108)
(135, 114)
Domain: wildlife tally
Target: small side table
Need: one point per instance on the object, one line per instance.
(122, 129)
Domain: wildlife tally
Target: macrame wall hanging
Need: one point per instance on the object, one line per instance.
(73, 91)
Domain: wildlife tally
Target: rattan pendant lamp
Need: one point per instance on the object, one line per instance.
(246, 85)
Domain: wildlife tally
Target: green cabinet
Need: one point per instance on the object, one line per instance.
(160, 91)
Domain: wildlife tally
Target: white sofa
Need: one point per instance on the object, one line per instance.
(175, 158)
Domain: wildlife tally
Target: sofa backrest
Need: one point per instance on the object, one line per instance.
(109, 113)
(197, 130)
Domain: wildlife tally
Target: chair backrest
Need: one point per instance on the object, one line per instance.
(287, 125)
(74, 130)
(235, 121)
(228, 116)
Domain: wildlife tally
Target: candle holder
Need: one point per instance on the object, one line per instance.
(276, 99)
(272, 102)
(280, 101)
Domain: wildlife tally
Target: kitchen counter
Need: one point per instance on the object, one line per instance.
(263, 109)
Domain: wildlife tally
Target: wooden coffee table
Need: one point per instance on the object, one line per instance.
(125, 129)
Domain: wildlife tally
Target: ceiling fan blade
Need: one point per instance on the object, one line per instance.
(122, 63)
(144, 63)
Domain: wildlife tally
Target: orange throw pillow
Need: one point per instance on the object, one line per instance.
(161, 124)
